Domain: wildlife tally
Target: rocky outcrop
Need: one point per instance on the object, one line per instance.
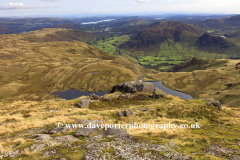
(158, 93)
(83, 103)
(237, 66)
(126, 113)
(85, 131)
(216, 104)
(220, 151)
(129, 87)
(94, 97)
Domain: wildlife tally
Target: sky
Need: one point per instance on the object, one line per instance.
(9, 8)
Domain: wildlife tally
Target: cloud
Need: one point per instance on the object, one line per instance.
(20, 6)
(50, 0)
(142, 1)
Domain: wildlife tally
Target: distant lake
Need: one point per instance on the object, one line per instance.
(72, 94)
(106, 20)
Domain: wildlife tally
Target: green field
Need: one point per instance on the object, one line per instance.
(108, 45)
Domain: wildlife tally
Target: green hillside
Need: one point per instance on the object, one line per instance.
(167, 43)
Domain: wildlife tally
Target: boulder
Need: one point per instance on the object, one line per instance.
(145, 109)
(129, 87)
(158, 93)
(94, 97)
(215, 103)
(83, 103)
(119, 113)
(85, 131)
(126, 113)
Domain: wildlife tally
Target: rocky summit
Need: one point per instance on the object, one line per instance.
(134, 86)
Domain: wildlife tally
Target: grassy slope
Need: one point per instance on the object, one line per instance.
(30, 69)
(215, 127)
(196, 63)
(211, 82)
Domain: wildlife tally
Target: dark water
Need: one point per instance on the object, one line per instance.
(72, 94)
(94, 72)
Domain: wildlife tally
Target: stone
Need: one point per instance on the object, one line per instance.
(126, 113)
(37, 147)
(66, 139)
(133, 113)
(85, 131)
(209, 99)
(158, 93)
(129, 87)
(83, 103)
(119, 113)
(41, 137)
(217, 150)
(58, 130)
(144, 109)
(216, 104)
(94, 97)
(11, 154)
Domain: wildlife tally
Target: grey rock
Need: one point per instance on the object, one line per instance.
(94, 97)
(11, 154)
(126, 113)
(83, 103)
(158, 93)
(85, 131)
(133, 113)
(216, 104)
(41, 137)
(66, 139)
(217, 150)
(144, 109)
(209, 99)
(119, 113)
(58, 130)
(37, 147)
(135, 86)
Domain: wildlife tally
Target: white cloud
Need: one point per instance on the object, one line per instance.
(142, 1)
(50, 0)
(20, 6)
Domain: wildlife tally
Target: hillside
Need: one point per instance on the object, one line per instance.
(216, 79)
(33, 130)
(32, 64)
(59, 34)
(168, 43)
(153, 36)
(196, 63)
(228, 27)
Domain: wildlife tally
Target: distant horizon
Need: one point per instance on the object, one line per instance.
(151, 14)
(53, 8)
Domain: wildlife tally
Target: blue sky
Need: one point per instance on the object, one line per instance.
(61, 7)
